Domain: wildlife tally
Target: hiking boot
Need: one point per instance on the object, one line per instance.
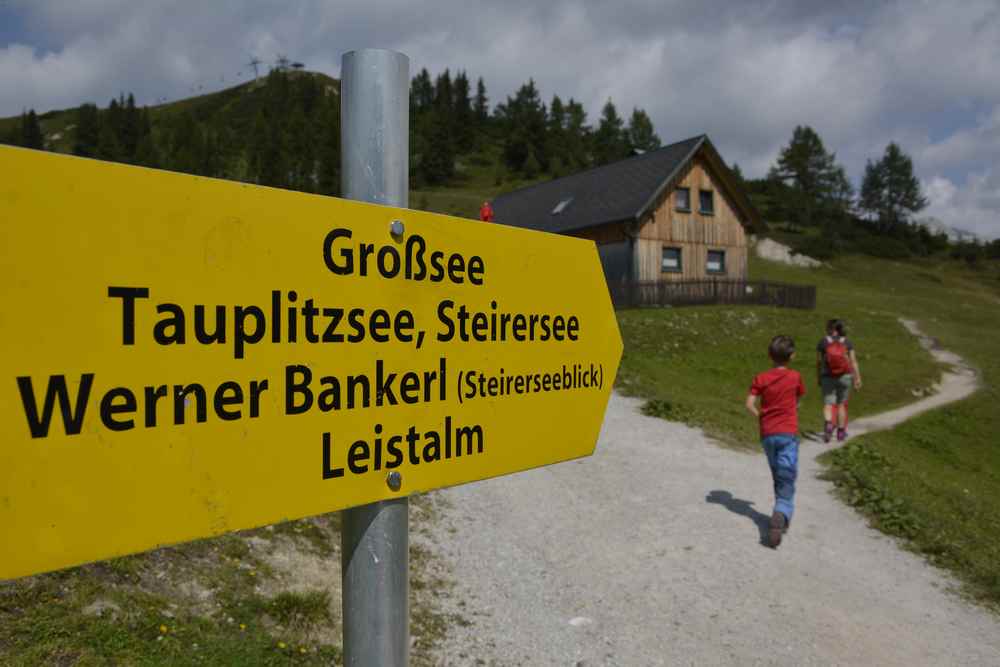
(828, 432)
(841, 434)
(776, 529)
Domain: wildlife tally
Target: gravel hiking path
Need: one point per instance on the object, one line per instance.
(650, 553)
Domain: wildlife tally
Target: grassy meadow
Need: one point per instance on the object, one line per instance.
(935, 480)
(696, 364)
(269, 596)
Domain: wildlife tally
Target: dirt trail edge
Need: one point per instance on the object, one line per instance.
(649, 553)
(959, 382)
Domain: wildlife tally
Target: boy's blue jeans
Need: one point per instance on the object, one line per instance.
(782, 451)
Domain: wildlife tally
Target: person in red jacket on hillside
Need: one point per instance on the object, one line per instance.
(486, 212)
(837, 371)
(779, 391)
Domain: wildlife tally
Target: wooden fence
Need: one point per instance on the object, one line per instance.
(709, 292)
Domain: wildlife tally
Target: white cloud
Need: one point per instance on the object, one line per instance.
(977, 144)
(862, 74)
(974, 206)
(42, 81)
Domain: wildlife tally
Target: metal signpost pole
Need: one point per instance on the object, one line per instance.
(375, 97)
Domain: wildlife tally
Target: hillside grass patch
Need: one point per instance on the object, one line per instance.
(936, 477)
(219, 601)
(934, 481)
(695, 364)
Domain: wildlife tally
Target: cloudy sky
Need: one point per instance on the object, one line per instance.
(923, 74)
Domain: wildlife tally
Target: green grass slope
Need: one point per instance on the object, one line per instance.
(935, 480)
(233, 108)
(269, 596)
(696, 364)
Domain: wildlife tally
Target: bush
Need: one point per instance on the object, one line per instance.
(789, 229)
(817, 247)
(859, 470)
(479, 159)
(884, 248)
(970, 252)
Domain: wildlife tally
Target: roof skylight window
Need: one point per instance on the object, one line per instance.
(561, 206)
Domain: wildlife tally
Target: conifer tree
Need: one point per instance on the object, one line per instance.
(186, 145)
(555, 136)
(464, 120)
(890, 191)
(841, 193)
(818, 183)
(12, 137)
(146, 152)
(31, 131)
(557, 116)
(523, 119)
(274, 159)
(112, 118)
(805, 163)
(88, 131)
(256, 147)
(640, 134)
(531, 167)
(309, 94)
(329, 150)
(130, 132)
(517, 148)
(434, 130)
(107, 144)
(301, 153)
(444, 101)
(577, 136)
(737, 173)
(421, 93)
(437, 164)
(278, 91)
(610, 142)
(482, 106)
(209, 162)
(872, 187)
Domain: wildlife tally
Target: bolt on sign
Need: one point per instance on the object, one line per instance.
(188, 356)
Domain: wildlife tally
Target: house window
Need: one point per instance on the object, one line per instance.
(706, 202)
(683, 199)
(671, 260)
(716, 262)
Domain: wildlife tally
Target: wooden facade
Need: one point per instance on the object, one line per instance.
(693, 232)
(633, 210)
(614, 232)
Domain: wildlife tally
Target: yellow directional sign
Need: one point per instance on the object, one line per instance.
(186, 356)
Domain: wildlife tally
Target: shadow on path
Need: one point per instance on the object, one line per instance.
(743, 508)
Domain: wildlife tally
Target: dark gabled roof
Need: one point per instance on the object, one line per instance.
(618, 192)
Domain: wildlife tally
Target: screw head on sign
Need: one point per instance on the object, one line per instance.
(396, 228)
(394, 480)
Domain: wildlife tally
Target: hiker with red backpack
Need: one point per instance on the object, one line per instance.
(838, 371)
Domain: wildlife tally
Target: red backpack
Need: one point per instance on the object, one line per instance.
(837, 361)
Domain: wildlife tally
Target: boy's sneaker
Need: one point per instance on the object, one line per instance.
(841, 434)
(776, 528)
(828, 432)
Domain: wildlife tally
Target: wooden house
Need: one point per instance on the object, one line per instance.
(675, 213)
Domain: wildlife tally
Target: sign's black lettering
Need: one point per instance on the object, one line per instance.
(343, 260)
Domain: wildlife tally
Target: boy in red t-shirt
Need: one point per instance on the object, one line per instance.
(779, 390)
